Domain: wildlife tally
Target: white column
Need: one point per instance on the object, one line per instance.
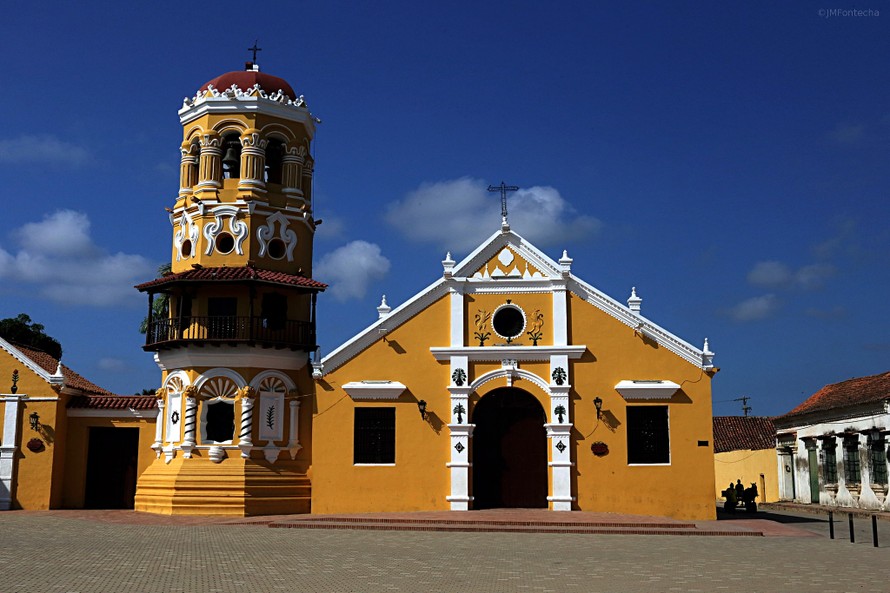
(559, 433)
(8, 449)
(245, 436)
(158, 445)
(460, 466)
(560, 315)
(457, 315)
(294, 445)
(191, 422)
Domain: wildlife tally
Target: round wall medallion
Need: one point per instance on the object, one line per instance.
(599, 448)
(35, 445)
(508, 321)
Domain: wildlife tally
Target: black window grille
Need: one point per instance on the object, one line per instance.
(851, 462)
(375, 435)
(829, 467)
(879, 461)
(648, 437)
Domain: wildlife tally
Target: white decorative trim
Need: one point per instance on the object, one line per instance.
(374, 390)
(231, 356)
(510, 372)
(509, 306)
(520, 353)
(238, 228)
(266, 233)
(206, 376)
(234, 99)
(30, 364)
(637, 389)
(188, 230)
(556, 276)
(128, 413)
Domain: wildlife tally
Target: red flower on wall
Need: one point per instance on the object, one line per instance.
(599, 448)
(35, 445)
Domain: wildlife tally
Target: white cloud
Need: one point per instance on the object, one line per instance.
(459, 214)
(845, 133)
(755, 308)
(350, 269)
(769, 273)
(44, 149)
(115, 365)
(58, 257)
(813, 277)
(775, 274)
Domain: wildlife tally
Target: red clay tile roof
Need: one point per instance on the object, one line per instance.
(861, 390)
(742, 433)
(114, 402)
(238, 274)
(50, 364)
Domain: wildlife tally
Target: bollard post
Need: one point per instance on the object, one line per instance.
(831, 524)
(874, 529)
(852, 535)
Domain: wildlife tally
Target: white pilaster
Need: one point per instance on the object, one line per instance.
(8, 448)
(460, 466)
(158, 445)
(560, 466)
(294, 445)
(457, 315)
(560, 314)
(191, 422)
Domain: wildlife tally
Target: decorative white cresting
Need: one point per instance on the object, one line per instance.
(234, 93)
(384, 309)
(238, 228)
(707, 357)
(634, 301)
(188, 231)
(266, 233)
(565, 264)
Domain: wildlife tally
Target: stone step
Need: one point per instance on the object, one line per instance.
(507, 527)
(494, 522)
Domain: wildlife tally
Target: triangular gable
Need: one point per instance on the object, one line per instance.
(56, 378)
(546, 268)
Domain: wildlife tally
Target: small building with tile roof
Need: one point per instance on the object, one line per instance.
(745, 449)
(67, 442)
(833, 447)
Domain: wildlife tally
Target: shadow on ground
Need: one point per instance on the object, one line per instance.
(742, 515)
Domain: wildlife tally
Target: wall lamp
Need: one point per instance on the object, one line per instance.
(34, 420)
(598, 404)
(421, 405)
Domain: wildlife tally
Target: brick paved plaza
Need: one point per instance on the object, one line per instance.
(76, 552)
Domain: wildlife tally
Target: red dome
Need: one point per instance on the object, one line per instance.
(245, 79)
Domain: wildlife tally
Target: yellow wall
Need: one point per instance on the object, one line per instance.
(420, 479)
(748, 466)
(78, 449)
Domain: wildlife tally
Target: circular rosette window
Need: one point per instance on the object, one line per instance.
(508, 321)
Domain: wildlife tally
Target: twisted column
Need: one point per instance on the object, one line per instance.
(245, 437)
(191, 421)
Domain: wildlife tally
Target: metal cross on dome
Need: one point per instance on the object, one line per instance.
(255, 49)
(503, 189)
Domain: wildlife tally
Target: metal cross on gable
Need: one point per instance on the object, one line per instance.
(503, 189)
(254, 49)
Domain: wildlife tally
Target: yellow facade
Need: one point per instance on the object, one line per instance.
(410, 354)
(751, 467)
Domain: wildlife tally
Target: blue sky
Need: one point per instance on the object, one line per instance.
(729, 160)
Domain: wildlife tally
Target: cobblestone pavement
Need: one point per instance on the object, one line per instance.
(55, 553)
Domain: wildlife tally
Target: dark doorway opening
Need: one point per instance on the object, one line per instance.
(509, 451)
(111, 468)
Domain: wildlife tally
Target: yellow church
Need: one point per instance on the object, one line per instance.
(506, 382)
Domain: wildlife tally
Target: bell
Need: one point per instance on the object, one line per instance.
(232, 160)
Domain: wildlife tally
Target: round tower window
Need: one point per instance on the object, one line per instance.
(508, 321)
(277, 248)
(225, 243)
(186, 250)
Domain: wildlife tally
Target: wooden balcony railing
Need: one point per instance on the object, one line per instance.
(165, 333)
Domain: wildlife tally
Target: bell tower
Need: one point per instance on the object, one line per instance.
(232, 324)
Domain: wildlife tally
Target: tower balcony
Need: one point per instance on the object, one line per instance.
(176, 332)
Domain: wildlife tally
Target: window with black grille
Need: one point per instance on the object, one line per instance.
(375, 435)
(829, 467)
(878, 457)
(648, 438)
(851, 461)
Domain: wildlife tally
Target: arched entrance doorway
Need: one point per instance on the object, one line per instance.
(509, 451)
